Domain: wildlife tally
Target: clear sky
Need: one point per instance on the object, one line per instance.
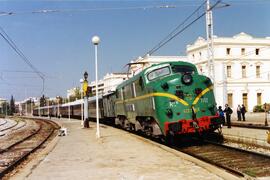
(59, 43)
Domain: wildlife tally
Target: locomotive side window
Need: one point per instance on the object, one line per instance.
(183, 69)
(117, 93)
(128, 91)
(141, 83)
(133, 91)
(158, 73)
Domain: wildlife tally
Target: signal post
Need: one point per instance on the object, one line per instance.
(85, 100)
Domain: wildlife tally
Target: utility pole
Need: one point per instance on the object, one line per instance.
(210, 46)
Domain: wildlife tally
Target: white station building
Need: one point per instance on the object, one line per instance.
(241, 68)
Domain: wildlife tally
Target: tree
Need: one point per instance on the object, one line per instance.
(12, 105)
(76, 95)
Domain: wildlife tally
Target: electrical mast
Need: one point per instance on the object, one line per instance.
(209, 38)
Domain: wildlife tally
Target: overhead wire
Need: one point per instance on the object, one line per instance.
(175, 29)
(43, 11)
(12, 44)
(175, 33)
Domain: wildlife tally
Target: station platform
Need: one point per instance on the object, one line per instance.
(253, 135)
(116, 155)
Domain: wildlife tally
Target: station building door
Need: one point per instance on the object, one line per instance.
(245, 100)
(230, 99)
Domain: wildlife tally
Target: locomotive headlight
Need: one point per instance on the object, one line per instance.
(187, 79)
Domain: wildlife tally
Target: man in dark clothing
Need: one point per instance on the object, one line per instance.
(243, 112)
(228, 111)
(238, 113)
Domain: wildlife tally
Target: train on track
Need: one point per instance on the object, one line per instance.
(163, 100)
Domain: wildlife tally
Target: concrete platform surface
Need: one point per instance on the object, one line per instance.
(116, 155)
(248, 135)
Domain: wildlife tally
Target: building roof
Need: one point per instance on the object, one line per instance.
(240, 38)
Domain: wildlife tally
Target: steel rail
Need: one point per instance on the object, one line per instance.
(222, 162)
(18, 160)
(9, 127)
(5, 122)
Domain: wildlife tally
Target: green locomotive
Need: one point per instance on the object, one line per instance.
(169, 98)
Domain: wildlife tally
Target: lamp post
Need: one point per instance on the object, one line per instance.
(96, 41)
(81, 90)
(58, 110)
(48, 108)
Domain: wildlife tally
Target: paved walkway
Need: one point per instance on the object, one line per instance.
(253, 118)
(249, 135)
(116, 155)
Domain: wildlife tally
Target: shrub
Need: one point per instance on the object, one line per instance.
(261, 108)
(258, 108)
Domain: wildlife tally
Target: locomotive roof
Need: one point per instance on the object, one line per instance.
(143, 71)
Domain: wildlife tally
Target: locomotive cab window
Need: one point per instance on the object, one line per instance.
(158, 73)
(183, 69)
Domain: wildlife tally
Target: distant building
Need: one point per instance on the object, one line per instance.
(242, 68)
(26, 106)
(108, 83)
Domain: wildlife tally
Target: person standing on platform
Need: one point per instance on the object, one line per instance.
(221, 114)
(238, 113)
(228, 112)
(243, 112)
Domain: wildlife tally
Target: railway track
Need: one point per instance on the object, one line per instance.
(17, 151)
(237, 161)
(10, 124)
(3, 122)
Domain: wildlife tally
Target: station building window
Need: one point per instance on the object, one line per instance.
(257, 51)
(228, 51)
(258, 71)
(244, 71)
(243, 51)
(229, 71)
(259, 98)
(230, 99)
